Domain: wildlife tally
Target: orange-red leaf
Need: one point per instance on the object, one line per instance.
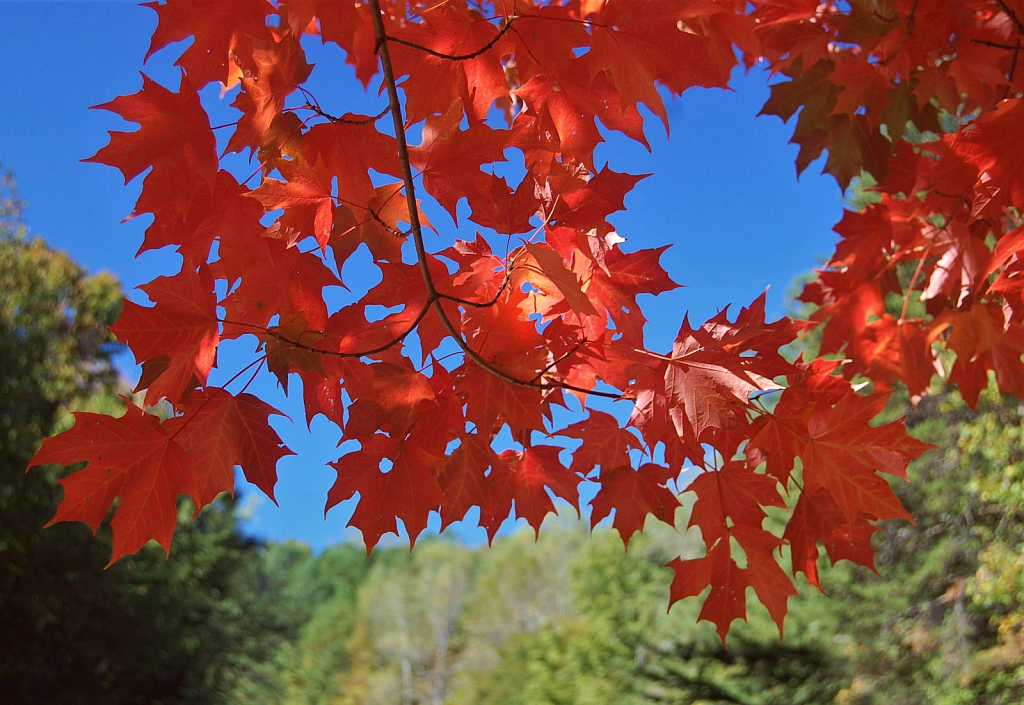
(179, 334)
(408, 490)
(174, 138)
(224, 32)
(221, 431)
(523, 478)
(450, 157)
(565, 281)
(634, 494)
(131, 458)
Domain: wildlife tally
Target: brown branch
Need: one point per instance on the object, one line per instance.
(433, 298)
(908, 29)
(394, 231)
(336, 353)
(338, 120)
(994, 45)
(913, 281)
(560, 359)
(451, 57)
(480, 304)
(1012, 15)
(338, 200)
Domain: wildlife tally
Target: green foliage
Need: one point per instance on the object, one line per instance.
(949, 632)
(190, 629)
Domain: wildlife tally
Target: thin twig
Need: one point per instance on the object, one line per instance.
(276, 151)
(480, 304)
(559, 360)
(238, 374)
(339, 120)
(993, 45)
(913, 280)
(924, 256)
(456, 57)
(1012, 15)
(335, 353)
(908, 29)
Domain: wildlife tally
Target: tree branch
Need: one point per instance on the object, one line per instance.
(1012, 15)
(908, 29)
(341, 121)
(993, 45)
(481, 304)
(433, 297)
(454, 57)
(337, 353)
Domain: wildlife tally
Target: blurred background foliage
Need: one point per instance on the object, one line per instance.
(570, 619)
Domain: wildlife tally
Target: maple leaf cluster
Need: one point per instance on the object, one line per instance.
(485, 338)
(925, 97)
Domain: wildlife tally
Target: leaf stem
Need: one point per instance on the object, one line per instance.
(458, 57)
(336, 353)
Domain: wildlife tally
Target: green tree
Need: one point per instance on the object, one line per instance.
(192, 629)
(313, 665)
(408, 636)
(55, 354)
(944, 624)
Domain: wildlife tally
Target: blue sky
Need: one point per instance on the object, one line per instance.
(724, 191)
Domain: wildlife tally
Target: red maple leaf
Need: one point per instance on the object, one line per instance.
(983, 340)
(177, 338)
(553, 121)
(174, 139)
(278, 67)
(583, 205)
(464, 482)
(224, 32)
(727, 600)
(605, 443)
(226, 214)
(350, 147)
(450, 157)
(614, 286)
(131, 458)
(817, 518)
(842, 453)
(644, 41)
(221, 431)
(272, 279)
(495, 206)
(434, 83)
(991, 145)
(524, 478)
(306, 197)
(730, 496)
(633, 495)
(408, 490)
(557, 274)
